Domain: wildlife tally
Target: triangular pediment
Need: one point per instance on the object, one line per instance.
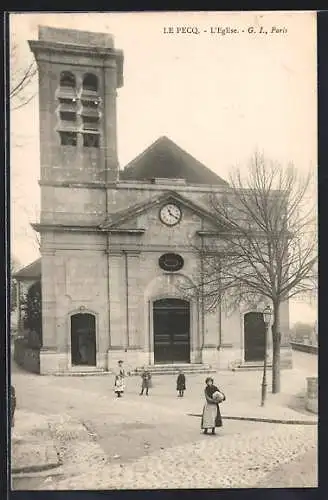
(123, 217)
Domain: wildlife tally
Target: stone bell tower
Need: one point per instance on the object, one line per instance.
(79, 73)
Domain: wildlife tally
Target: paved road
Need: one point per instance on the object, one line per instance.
(305, 361)
(152, 442)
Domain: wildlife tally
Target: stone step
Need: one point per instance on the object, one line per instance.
(82, 373)
(284, 364)
(175, 368)
(153, 369)
(248, 368)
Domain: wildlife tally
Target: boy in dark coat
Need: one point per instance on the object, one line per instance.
(145, 376)
(181, 384)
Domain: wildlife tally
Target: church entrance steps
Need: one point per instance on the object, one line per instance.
(249, 366)
(173, 369)
(162, 369)
(285, 363)
(82, 371)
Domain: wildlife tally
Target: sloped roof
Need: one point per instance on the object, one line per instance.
(165, 159)
(32, 271)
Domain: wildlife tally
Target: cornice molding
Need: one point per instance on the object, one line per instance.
(81, 185)
(40, 227)
(119, 252)
(44, 46)
(137, 232)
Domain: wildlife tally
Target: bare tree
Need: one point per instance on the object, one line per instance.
(266, 248)
(22, 76)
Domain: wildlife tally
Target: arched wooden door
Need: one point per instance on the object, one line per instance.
(171, 331)
(254, 330)
(83, 339)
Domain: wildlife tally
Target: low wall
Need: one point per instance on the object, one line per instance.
(27, 357)
(311, 349)
(312, 394)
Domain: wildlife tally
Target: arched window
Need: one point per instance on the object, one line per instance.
(67, 79)
(90, 82)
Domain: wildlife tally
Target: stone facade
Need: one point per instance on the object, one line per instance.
(101, 234)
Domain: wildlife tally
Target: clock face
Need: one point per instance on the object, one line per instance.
(170, 214)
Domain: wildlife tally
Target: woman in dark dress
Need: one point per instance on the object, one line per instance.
(211, 417)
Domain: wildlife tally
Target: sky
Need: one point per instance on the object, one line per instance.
(220, 97)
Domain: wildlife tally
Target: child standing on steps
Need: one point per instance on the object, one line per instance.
(181, 384)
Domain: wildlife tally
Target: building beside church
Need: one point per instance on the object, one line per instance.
(117, 244)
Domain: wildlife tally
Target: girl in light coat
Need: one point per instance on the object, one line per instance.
(119, 381)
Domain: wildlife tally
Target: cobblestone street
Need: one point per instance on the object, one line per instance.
(155, 442)
(299, 473)
(232, 459)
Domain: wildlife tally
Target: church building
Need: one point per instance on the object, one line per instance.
(118, 245)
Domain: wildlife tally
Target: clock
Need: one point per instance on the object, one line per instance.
(170, 214)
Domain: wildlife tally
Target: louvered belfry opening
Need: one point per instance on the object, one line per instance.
(78, 110)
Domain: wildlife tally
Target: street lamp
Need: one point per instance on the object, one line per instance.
(267, 313)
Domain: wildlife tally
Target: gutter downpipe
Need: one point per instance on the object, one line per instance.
(108, 278)
(202, 295)
(220, 314)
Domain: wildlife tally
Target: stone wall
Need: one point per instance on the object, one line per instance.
(311, 349)
(312, 394)
(74, 281)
